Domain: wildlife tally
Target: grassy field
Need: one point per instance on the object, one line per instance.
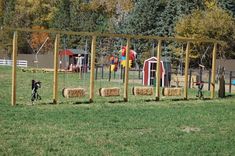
(193, 127)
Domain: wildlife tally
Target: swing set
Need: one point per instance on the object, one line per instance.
(80, 91)
(128, 38)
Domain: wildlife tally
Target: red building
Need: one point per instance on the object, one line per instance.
(149, 72)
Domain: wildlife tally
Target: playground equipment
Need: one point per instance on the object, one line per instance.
(81, 65)
(136, 90)
(36, 84)
(113, 64)
(93, 54)
(149, 72)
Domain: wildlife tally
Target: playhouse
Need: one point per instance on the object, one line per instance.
(149, 72)
(70, 57)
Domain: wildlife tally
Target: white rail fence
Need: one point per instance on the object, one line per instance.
(20, 63)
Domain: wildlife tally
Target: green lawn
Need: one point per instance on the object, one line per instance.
(193, 127)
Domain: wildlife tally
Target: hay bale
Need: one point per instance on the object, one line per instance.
(106, 92)
(171, 91)
(73, 92)
(146, 91)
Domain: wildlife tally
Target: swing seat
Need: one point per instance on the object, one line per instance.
(144, 91)
(171, 91)
(73, 92)
(107, 92)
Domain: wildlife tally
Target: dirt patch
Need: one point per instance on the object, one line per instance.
(188, 129)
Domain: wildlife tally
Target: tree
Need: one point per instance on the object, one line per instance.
(38, 39)
(23, 13)
(156, 17)
(7, 19)
(109, 7)
(212, 23)
(61, 16)
(227, 5)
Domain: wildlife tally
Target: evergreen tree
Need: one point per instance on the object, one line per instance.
(8, 8)
(228, 5)
(61, 16)
(6, 20)
(174, 10)
(159, 18)
(145, 18)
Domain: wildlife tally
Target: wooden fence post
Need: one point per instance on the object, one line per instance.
(92, 81)
(186, 72)
(158, 77)
(127, 70)
(110, 73)
(96, 72)
(213, 71)
(139, 73)
(102, 71)
(230, 81)
(209, 81)
(190, 79)
(14, 64)
(55, 81)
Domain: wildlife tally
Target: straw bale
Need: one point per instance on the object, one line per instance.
(171, 91)
(106, 92)
(143, 91)
(73, 92)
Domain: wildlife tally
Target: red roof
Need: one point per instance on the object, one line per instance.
(66, 52)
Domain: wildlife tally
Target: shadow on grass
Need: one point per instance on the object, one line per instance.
(152, 100)
(82, 102)
(181, 99)
(59, 103)
(117, 101)
(230, 96)
(35, 104)
(202, 99)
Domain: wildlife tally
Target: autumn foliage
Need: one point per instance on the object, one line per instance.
(38, 38)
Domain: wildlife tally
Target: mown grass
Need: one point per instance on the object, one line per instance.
(193, 127)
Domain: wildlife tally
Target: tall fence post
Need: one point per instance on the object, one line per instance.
(123, 75)
(110, 73)
(102, 71)
(213, 71)
(96, 72)
(139, 73)
(190, 79)
(230, 81)
(14, 63)
(121, 72)
(186, 72)
(92, 81)
(127, 70)
(55, 81)
(159, 50)
(209, 81)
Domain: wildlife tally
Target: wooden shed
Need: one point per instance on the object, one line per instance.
(149, 72)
